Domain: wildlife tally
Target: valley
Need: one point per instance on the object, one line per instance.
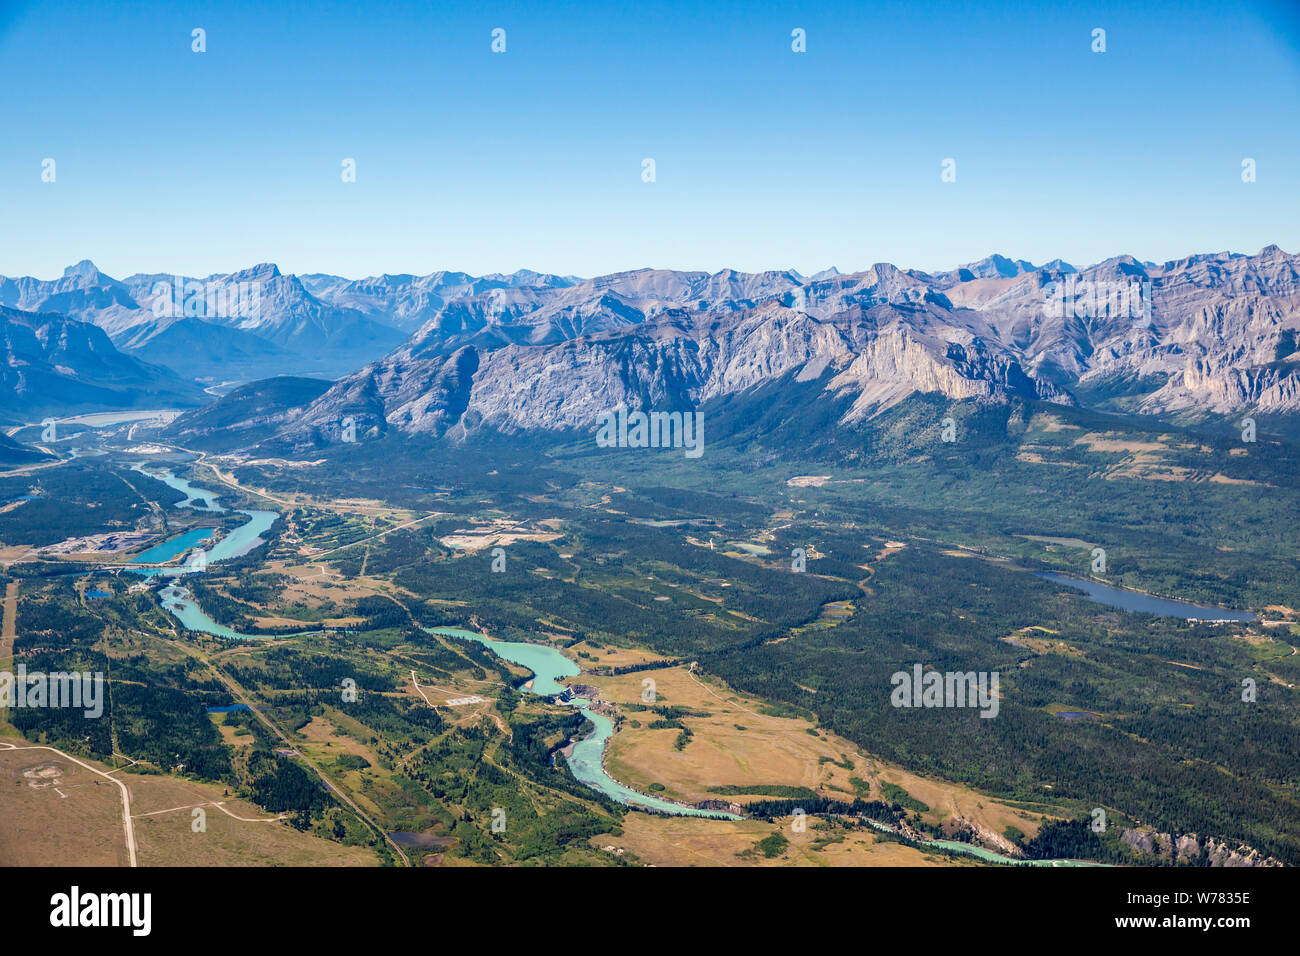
(541, 569)
(766, 687)
(535, 438)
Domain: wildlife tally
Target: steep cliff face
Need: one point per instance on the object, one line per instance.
(1189, 848)
(877, 357)
(898, 363)
(1210, 334)
(1207, 335)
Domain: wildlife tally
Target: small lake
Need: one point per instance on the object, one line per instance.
(1143, 603)
(546, 663)
(178, 545)
(177, 599)
(245, 538)
(1077, 715)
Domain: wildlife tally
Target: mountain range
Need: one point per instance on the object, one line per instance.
(449, 354)
(54, 365)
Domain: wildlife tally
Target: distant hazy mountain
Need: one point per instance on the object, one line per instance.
(50, 364)
(83, 293)
(277, 309)
(257, 321)
(1209, 335)
(408, 301)
(990, 267)
(542, 315)
(204, 350)
(304, 334)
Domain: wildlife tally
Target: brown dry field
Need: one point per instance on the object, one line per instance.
(693, 841)
(1146, 459)
(228, 735)
(491, 539)
(1220, 479)
(1043, 646)
(607, 656)
(12, 553)
(318, 741)
(1050, 423)
(38, 827)
(807, 481)
(337, 622)
(1066, 542)
(767, 751)
(167, 839)
(1034, 458)
(9, 631)
(312, 584)
(1110, 441)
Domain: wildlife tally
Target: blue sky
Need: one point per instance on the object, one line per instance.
(170, 160)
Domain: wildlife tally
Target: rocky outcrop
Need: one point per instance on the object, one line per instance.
(875, 357)
(1215, 334)
(1190, 849)
(1211, 334)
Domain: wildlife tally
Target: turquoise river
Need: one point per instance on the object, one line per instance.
(548, 665)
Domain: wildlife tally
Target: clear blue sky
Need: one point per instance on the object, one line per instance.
(168, 160)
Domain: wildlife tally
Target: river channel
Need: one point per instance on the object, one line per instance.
(548, 665)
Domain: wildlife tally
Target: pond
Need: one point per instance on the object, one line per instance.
(1144, 603)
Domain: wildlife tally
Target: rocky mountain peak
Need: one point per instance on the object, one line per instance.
(85, 269)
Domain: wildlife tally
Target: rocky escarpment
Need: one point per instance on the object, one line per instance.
(1190, 849)
(1213, 334)
(1207, 335)
(875, 357)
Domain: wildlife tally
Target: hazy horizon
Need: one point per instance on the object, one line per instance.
(354, 277)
